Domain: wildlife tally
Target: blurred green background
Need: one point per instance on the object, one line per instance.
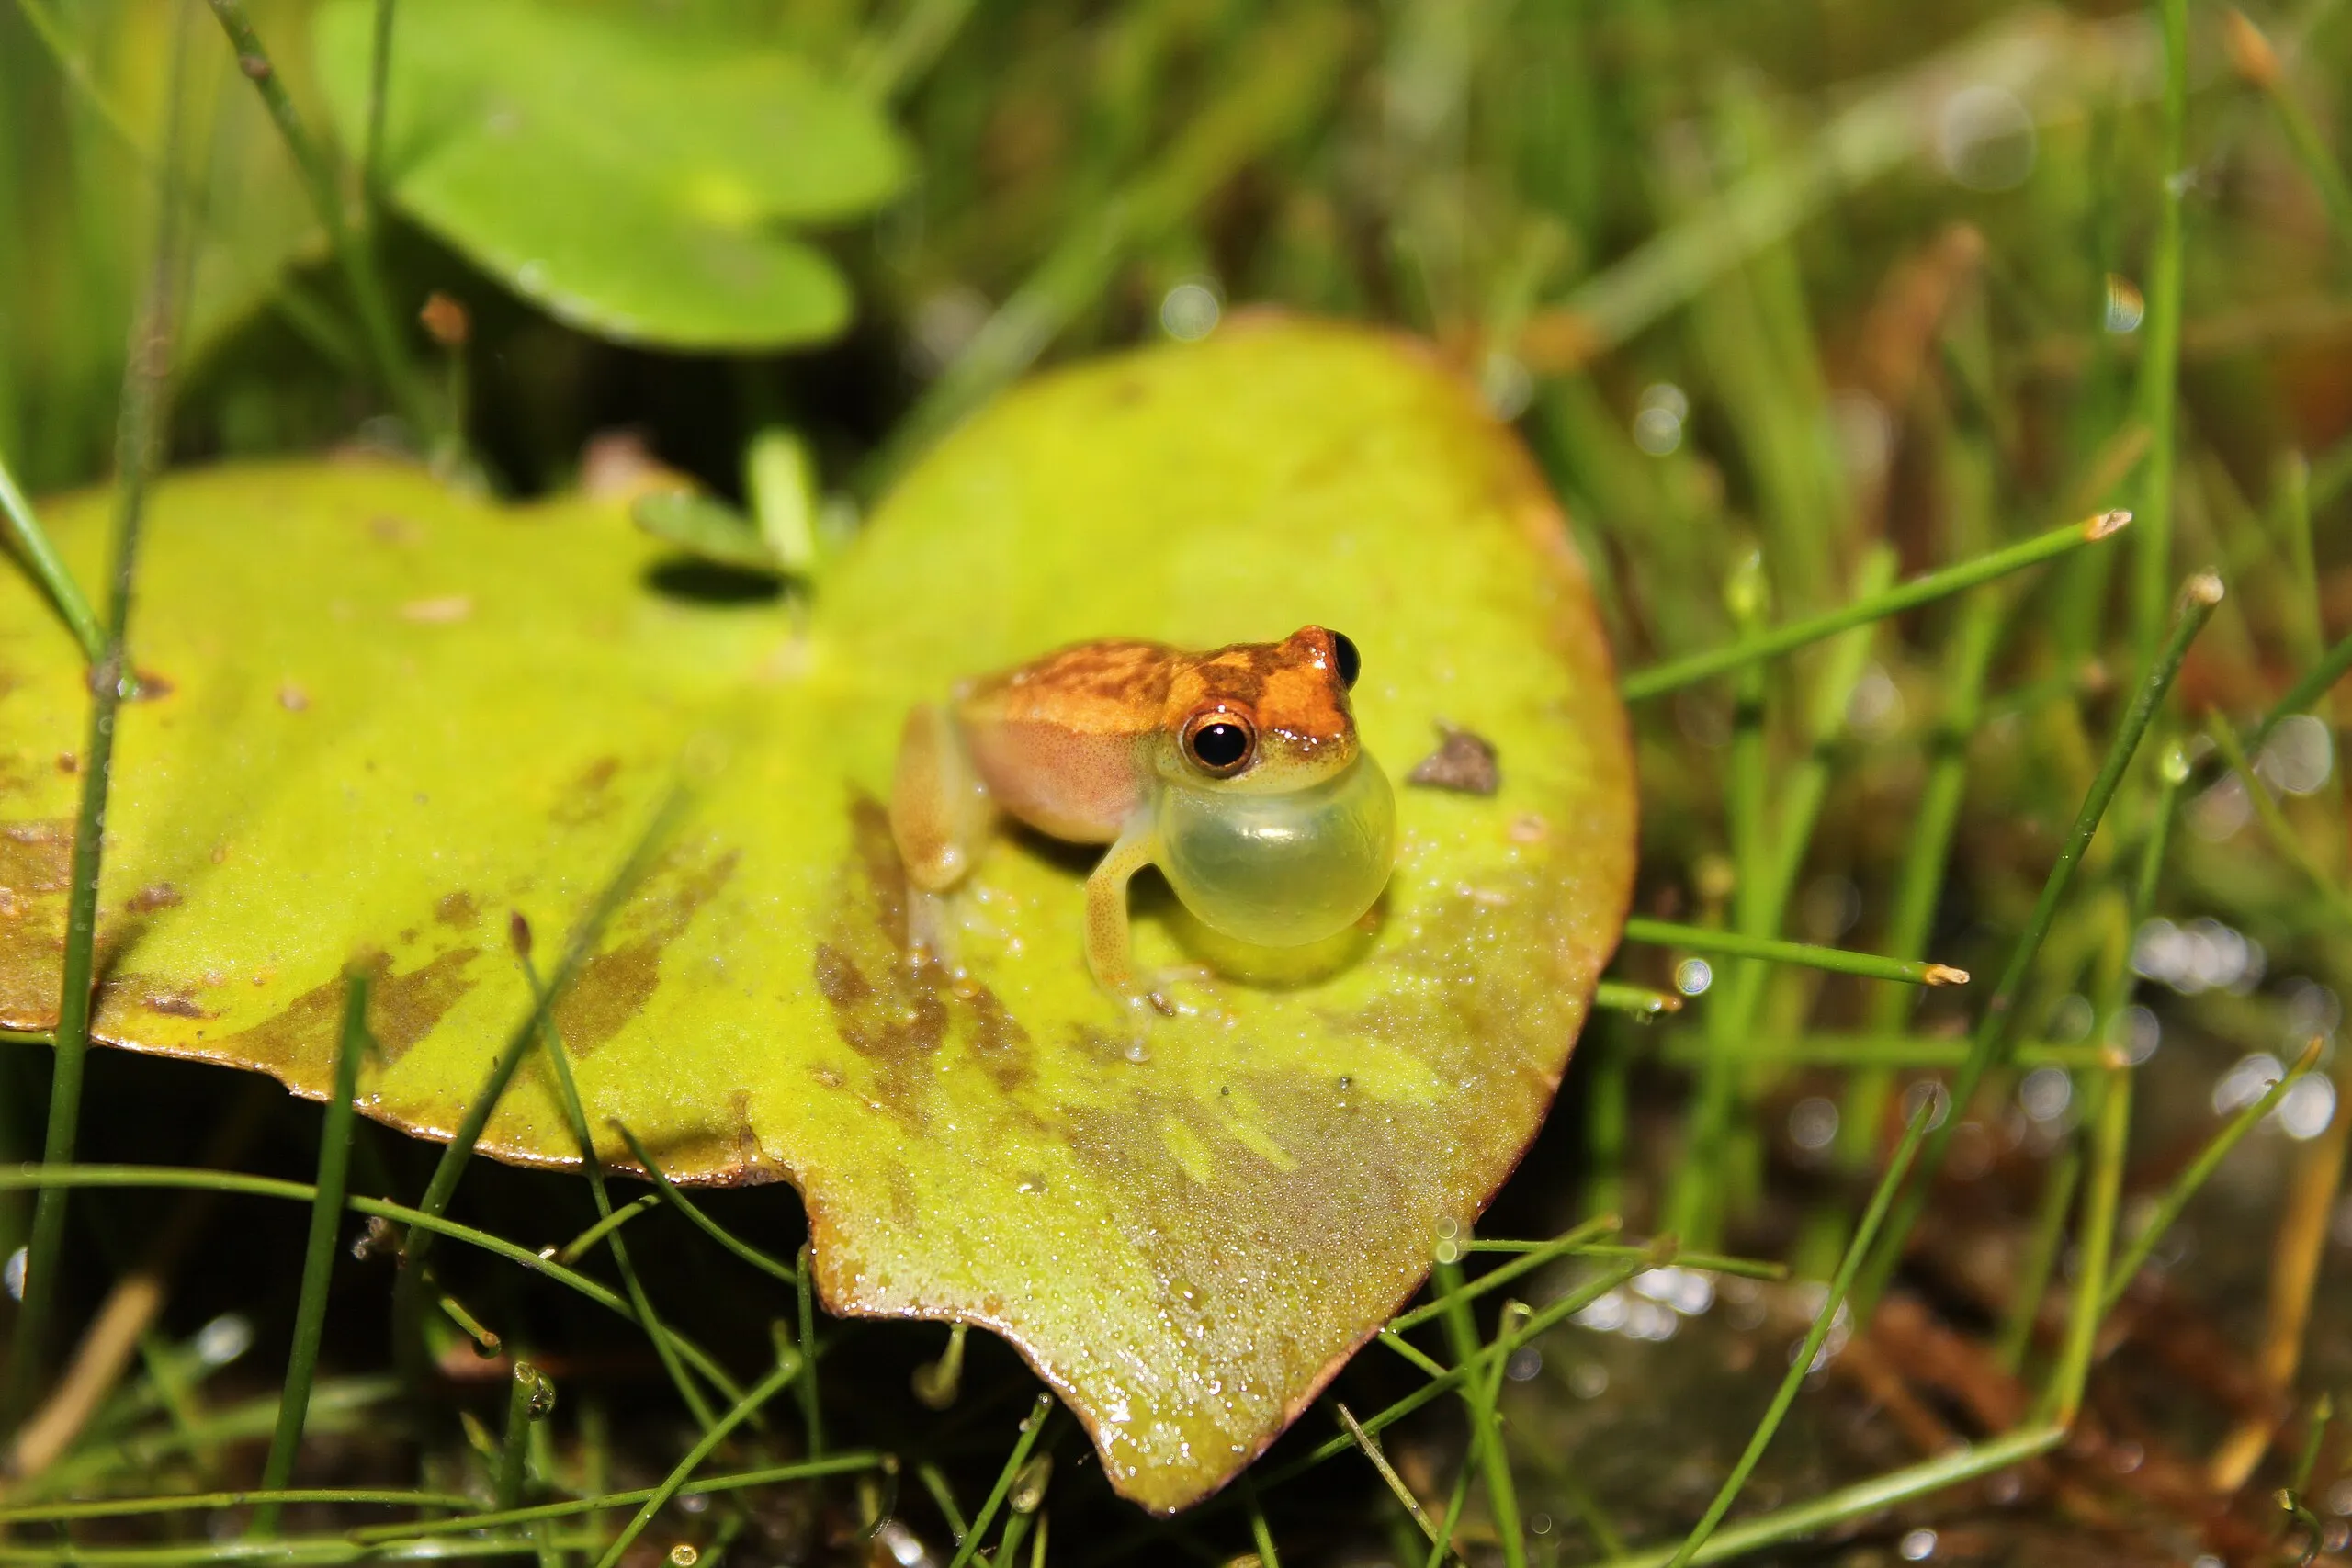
(1787, 297)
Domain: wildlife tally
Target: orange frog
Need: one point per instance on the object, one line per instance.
(1237, 771)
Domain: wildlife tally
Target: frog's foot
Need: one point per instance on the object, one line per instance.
(1172, 991)
(930, 928)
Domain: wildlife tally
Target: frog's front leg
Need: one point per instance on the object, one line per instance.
(1108, 939)
(941, 816)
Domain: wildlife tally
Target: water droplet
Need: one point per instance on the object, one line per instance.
(13, 1275)
(1190, 311)
(2305, 1110)
(2247, 1082)
(1524, 1363)
(2126, 309)
(223, 1339)
(2298, 756)
(1694, 975)
(1029, 1485)
(2046, 1093)
(1813, 1122)
(683, 1555)
(1917, 1546)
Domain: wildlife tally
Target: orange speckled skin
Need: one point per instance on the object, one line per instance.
(1072, 743)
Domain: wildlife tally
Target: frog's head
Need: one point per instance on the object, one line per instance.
(1262, 718)
(1275, 826)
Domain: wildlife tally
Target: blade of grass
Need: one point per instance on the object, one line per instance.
(2258, 64)
(1261, 1538)
(1859, 1501)
(573, 1251)
(1493, 1459)
(379, 81)
(1927, 852)
(370, 297)
(1734, 944)
(2112, 1129)
(787, 1367)
(529, 1398)
(1873, 1051)
(1546, 1319)
(1801, 1364)
(208, 1502)
(1403, 1493)
(318, 1251)
(1031, 1426)
(407, 1285)
(29, 1177)
(805, 1470)
(142, 428)
(2186, 1185)
(567, 1093)
(1643, 1003)
(2275, 826)
(39, 557)
(1703, 1262)
(1988, 1047)
(668, 1192)
(1453, 1292)
(1675, 675)
(2307, 690)
(2158, 394)
(812, 1414)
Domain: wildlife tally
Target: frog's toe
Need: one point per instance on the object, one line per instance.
(930, 928)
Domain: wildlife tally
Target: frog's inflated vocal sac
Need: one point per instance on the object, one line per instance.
(1237, 771)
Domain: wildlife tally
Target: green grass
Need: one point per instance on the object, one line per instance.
(1893, 727)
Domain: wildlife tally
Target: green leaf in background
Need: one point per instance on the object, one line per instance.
(632, 179)
(395, 715)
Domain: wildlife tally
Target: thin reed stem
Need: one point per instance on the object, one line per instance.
(1031, 1426)
(1989, 1045)
(787, 1367)
(370, 295)
(1838, 961)
(1660, 679)
(1801, 1364)
(335, 1129)
(139, 436)
(41, 558)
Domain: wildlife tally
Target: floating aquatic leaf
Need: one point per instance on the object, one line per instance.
(388, 716)
(632, 179)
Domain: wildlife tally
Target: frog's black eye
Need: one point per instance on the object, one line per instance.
(1219, 743)
(1349, 661)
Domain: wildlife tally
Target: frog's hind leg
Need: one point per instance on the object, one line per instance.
(940, 818)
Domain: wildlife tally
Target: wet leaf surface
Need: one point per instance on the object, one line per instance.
(630, 179)
(395, 715)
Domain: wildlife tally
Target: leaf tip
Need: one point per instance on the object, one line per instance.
(1945, 974)
(2106, 524)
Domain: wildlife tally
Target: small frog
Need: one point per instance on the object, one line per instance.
(1237, 771)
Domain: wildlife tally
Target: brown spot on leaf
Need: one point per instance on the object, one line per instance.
(68, 763)
(176, 1006)
(590, 796)
(457, 910)
(154, 896)
(613, 986)
(37, 857)
(300, 1042)
(896, 1012)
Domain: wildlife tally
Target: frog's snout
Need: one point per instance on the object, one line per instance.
(1286, 868)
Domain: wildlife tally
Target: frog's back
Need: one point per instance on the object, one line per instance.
(1064, 743)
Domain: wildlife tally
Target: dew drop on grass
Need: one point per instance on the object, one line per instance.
(1029, 1486)
(1917, 1546)
(1694, 975)
(13, 1275)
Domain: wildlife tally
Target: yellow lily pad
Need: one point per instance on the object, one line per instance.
(389, 715)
